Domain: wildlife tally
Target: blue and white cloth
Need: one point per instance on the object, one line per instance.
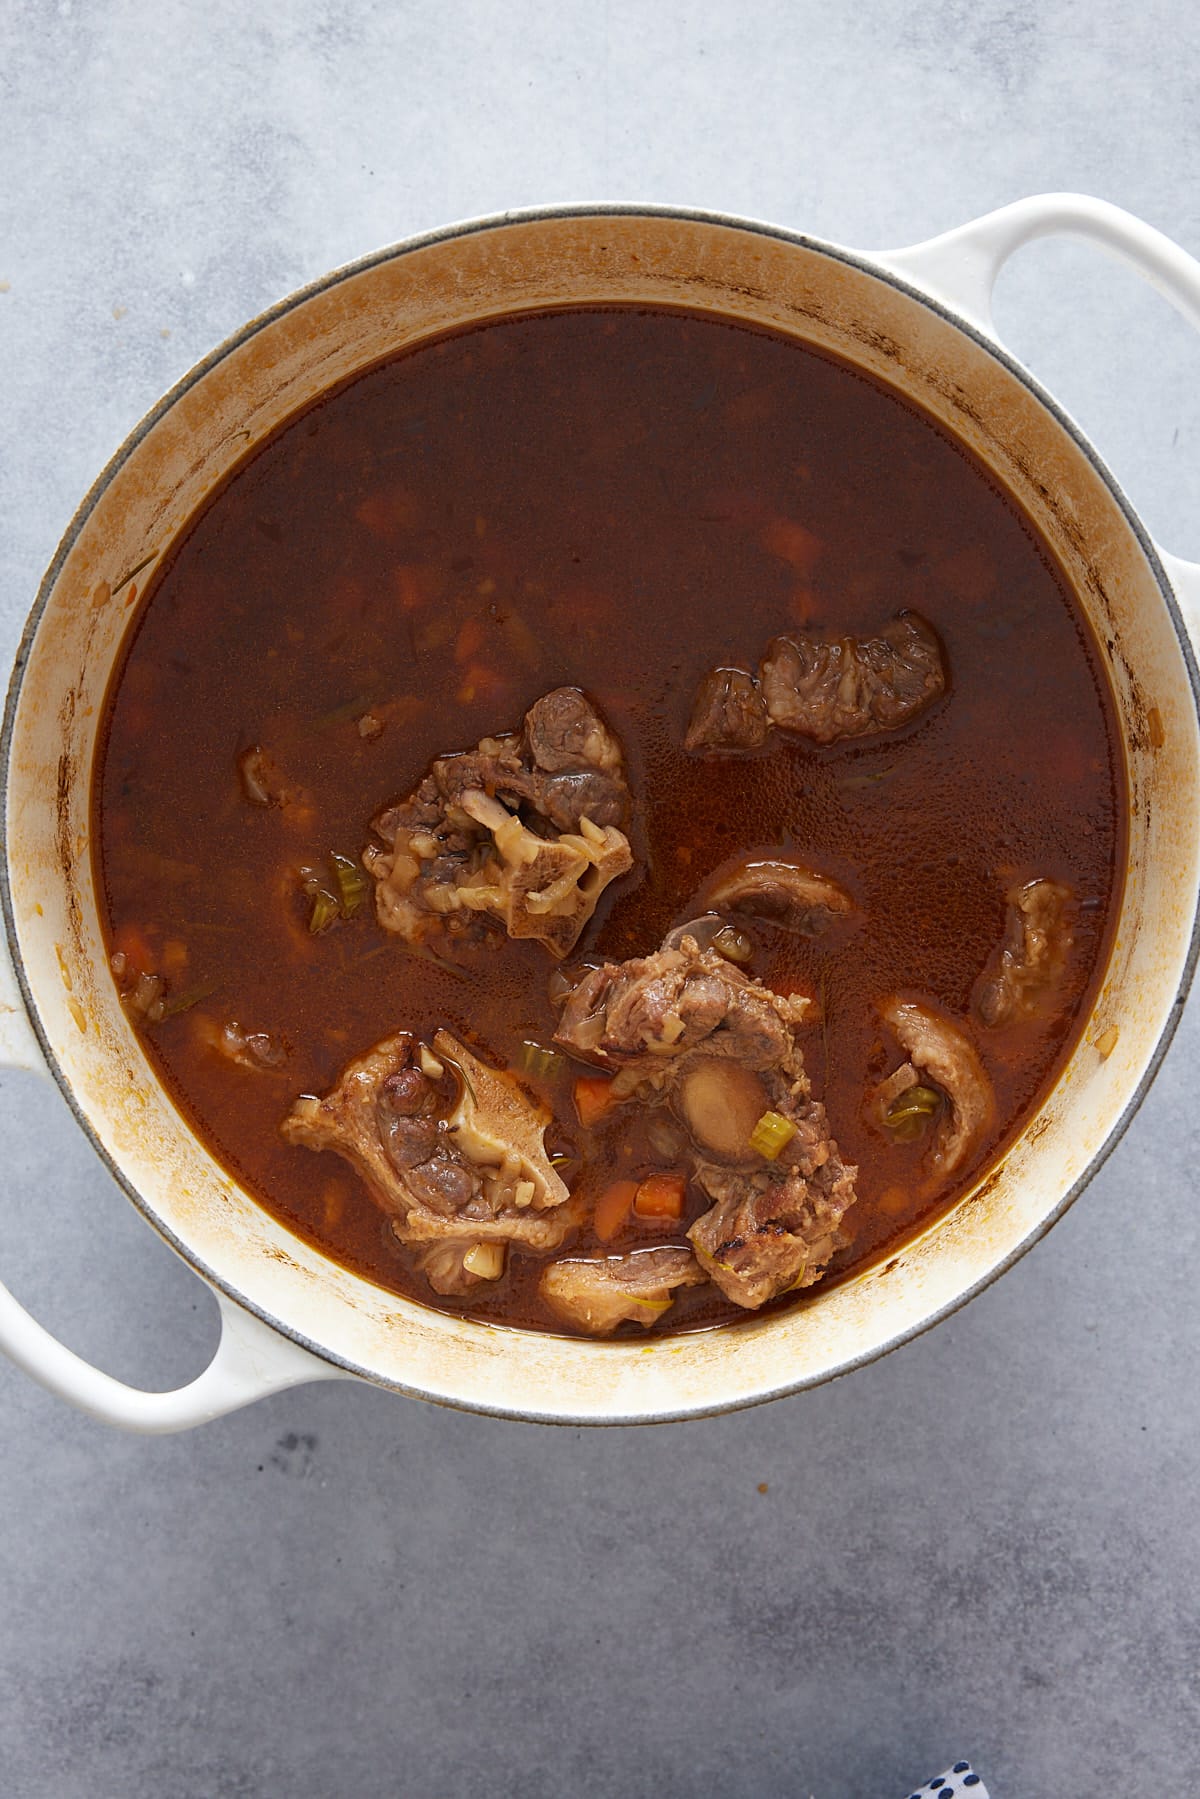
(958, 1782)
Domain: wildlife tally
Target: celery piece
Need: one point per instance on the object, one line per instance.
(771, 1134)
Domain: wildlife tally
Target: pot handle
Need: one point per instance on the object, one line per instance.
(251, 1359)
(960, 269)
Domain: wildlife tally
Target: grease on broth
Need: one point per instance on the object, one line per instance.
(619, 500)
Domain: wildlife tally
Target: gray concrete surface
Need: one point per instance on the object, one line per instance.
(984, 1545)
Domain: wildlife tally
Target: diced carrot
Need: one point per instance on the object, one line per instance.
(613, 1208)
(334, 1195)
(469, 641)
(805, 606)
(174, 958)
(434, 632)
(480, 683)
(594, 1099)
(750, 409)
(299, 813)
(388, 511)
(791, 542)
(408, 586)
(131, 940)
(661, 1196)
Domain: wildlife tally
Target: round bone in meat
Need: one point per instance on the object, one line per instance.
(721, 1101)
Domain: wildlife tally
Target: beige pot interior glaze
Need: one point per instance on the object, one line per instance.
(275, 368)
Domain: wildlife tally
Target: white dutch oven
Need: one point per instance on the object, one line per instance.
(918, 319)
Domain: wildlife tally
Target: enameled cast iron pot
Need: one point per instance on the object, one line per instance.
(918, 320)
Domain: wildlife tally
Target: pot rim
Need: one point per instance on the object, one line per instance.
(865, 263)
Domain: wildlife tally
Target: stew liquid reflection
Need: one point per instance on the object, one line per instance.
(622, 502)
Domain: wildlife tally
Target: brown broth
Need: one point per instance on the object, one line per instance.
(586, 497)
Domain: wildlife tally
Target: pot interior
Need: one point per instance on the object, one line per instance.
(275, 368)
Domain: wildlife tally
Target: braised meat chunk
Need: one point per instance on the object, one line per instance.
(592, 633)
(455, 1266)
(645, 1015)
(450, 1149)
(786, 893)
(596, 1293)
(1033, 956)
(773, 1232)
(827, 688)
(523, 832)
(686, 1030)
(822, 688)
(943, 1078)
(255, 1050)
(728, 713)
(711, 931)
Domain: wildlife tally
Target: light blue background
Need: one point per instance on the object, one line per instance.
(984, 1545)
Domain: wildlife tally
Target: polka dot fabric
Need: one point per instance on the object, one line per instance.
(958, 1782)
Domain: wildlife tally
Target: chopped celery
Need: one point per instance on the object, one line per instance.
(351, 884)
(349, 709)
(534, 1058)
(324, 911)
(911, 1111)
(339, 897)
(908, 1128)
(771, 1134)
(191, 996)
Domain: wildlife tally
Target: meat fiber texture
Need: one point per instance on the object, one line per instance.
(822, 688)
(522, 832)
(596, 1293)
(683, 1028)
(453, 1171)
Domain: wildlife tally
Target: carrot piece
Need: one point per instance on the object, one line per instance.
(174, 958)
(389, 511)
(661, 1196)
(469, 641)
(131, 940)
(791, 542)
(594, 1099)
(805, 605)
(480, 683)
(408, 587)
(613, 1208)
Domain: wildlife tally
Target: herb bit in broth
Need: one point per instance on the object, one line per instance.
(662, 1034)
(940, 1050)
